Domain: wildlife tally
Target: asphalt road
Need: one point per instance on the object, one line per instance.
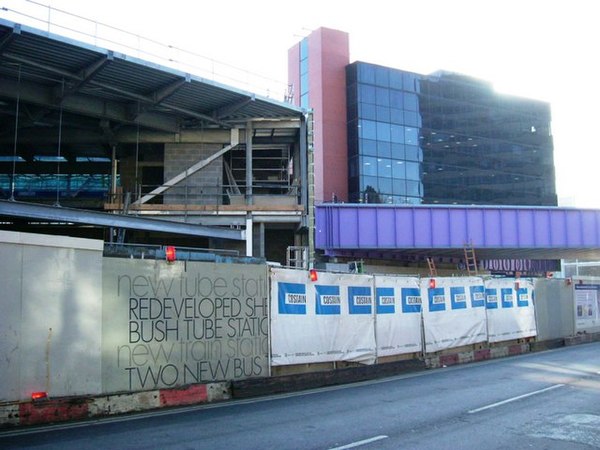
(548, 400)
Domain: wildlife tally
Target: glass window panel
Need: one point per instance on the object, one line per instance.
(396, 79)
(385, 187)
(412, 170)
(368, 147)
(304, 66)
(369, 166)
(383, 131)
(398, 169)
(303, 83)
(384, 168)
(383, 113)
(368, 183)
(398, 151)
(303, 49)
(410, 102)
(412, 152)
(396, 99)
(384, 149)
(411, 136)
(396, 115)
(353, 167)
(368, 111)
(411, 118)
(413, 188)
(368, 129)
(382, 76)
(352, 99)
(399, 186)
(397, 133)
(366, 93)
(409, 81)
(366, 73)
(304, 101)
(351, 74)
(382, 96)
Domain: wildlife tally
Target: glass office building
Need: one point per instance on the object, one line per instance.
(444, 138)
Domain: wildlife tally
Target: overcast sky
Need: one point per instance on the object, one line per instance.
(546, 50)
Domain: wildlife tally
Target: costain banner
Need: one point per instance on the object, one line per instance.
(510, 309)
(330, 319)
(453, 312)
(398, 315)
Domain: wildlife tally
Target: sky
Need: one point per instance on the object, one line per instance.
(547, 50)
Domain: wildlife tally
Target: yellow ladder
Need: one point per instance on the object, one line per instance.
(432, 268)
(470, 259)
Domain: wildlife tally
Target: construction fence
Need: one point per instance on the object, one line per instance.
(77, 323)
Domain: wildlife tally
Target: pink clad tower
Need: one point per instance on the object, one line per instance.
(317, 72)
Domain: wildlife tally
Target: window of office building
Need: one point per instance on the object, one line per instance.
(304, 74)
(446, 138)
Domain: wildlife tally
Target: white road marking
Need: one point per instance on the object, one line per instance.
(359, 443)
(513, 399)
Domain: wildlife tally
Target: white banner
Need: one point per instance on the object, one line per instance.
(398, 321)
(453, 312)
(510, 309)
(330, 319)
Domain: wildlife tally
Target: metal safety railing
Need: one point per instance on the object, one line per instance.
(149, 251)
(210, 195)
(64, 23)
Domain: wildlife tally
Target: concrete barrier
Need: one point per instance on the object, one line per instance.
(67, 409)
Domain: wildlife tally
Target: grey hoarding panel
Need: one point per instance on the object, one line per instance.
(51, 317)
(554, 309)
(11, 256)
(167, 325)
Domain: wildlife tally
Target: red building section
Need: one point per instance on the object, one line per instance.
(328, 56)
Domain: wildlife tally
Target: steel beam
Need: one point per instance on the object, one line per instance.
(70, 215)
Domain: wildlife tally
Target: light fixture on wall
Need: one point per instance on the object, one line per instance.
(37, 396)
(312, 274)
(170, 254)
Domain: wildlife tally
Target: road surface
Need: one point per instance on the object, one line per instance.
(548, 400)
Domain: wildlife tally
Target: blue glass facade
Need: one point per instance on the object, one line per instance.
(444, 138)
(304, 74)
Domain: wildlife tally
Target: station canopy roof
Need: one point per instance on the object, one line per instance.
(101, 92)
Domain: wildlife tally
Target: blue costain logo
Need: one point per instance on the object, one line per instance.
(411, 300)
(508, 297)
(386, 302)
(458, 297)
(291, 298)
(522, 298)
(491, 298)
(328, 300)
(437, 300)
(360, 300)
(477, 296)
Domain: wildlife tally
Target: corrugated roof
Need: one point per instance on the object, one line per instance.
(97, 73)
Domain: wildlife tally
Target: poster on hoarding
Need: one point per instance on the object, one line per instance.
(587, 306)
(329, 319)
(510, 309)
(453, 312)
(398, 319)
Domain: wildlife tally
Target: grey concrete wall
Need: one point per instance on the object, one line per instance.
(50, 326)
(203, 186)
(554, 309)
